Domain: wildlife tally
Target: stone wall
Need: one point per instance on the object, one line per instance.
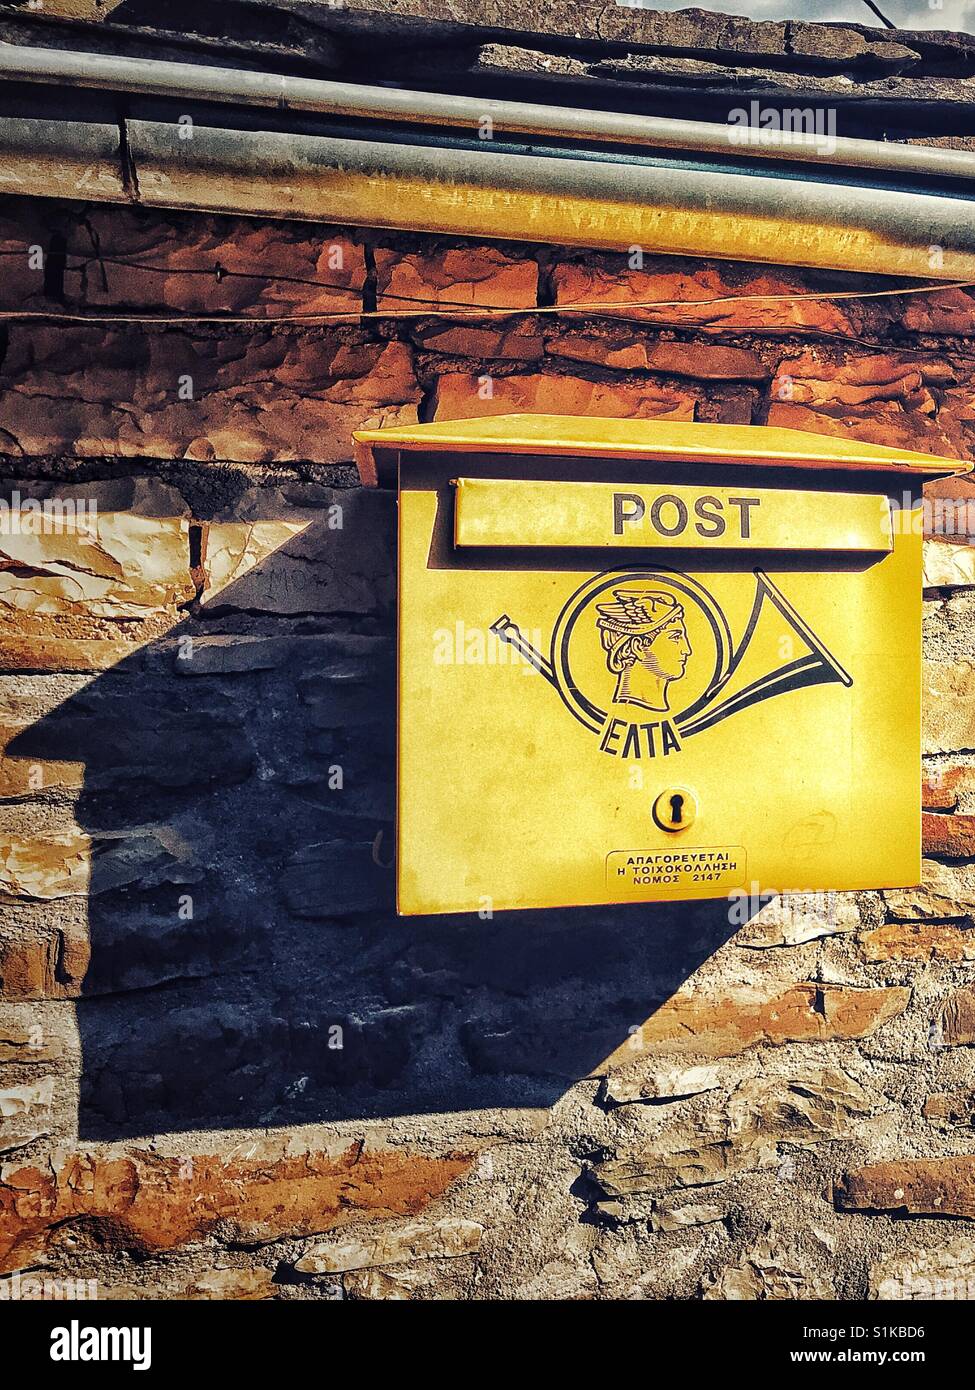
(882, 83)
(226, 1069)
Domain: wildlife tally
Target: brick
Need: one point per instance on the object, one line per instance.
(946, 893)
(651, 1169)
(146, 1203)
(46, 963)
(126, 733)
(268, 264)
(830, 42)
(774, 1267)
(119, 567)
(669, 1215)
(45, 866)
(941, 311)
(675, 1083)
(685, 29)
(36, 646)
(938, 795)
(706, 294)
(708, 361)
(238, 1285)
(815, 380)
(25, 778)
(335, 658)
(762, 1112)
(899, 427)
(24, 224)
(459, 395)
(950, 509)
(740, 1019)
(811, 1104)
(948, 566)
(947, 706)
(48, 867)
(705, 361)
(918, 941)
(89, 585)
(24, 1039)
(438, 1240)
(879, 398)
(463, 276)
(952, 836)
(116, 393)
(333, 879)
(281, 551)
(917, 1186)
(958, 1019)
(25, 1113)
(943, 788)
(396, 1285)
(513, 340)
(736, 408)
(625, 355)
(949, 1110)
(791, 919)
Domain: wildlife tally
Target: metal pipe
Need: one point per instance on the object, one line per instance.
(188, 81)
(62, 159)
(581, 202)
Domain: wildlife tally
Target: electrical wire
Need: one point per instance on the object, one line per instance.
(438, 308)
(880, 14)
(480, 311)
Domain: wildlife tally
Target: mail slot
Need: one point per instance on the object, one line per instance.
(652, 661)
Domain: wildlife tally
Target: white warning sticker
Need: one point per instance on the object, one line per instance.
(651, 873)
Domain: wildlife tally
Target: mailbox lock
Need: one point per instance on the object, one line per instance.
(675, 809)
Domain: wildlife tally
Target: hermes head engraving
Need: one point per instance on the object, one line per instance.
(646, 645)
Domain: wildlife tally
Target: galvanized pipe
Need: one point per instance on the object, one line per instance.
(190, 82)
(62, 159)
(583, 202)
(478, 192)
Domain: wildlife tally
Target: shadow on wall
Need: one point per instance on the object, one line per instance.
(247, 968)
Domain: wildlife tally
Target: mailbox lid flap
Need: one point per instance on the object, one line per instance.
(657, 440)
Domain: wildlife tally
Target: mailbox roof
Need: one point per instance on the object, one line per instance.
(581, 435)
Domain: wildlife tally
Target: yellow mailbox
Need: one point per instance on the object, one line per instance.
(642, 660)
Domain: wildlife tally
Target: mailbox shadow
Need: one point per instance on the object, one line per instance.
(247, 967)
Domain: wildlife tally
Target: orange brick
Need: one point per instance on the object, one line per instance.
(143, 1202)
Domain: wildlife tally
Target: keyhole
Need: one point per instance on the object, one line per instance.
(675, 810)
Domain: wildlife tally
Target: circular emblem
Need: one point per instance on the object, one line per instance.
(645, 644)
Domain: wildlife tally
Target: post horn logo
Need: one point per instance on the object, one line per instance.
(646, 658)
